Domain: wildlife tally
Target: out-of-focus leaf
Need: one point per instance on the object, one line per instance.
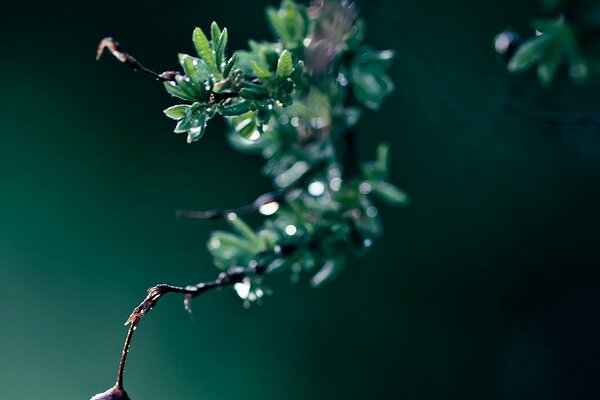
(328, 272)
(370, 85)
(261, 71)
(389, 193)
(243, 229)
(529, 53)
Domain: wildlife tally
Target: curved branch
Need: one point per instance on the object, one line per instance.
(230, 277)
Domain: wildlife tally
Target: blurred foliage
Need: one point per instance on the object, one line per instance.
(567, 37)
(296, 101)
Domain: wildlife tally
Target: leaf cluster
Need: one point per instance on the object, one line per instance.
(566, 40)
(280, 101)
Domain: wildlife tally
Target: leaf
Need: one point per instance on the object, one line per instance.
(261, 71)
(172, 88)
(177, 112)
(548, 66)
(529, 53)
(238, 108)
(204, 50)
(220, 49)
(383, 59)
(330, 270)
(243, 229)
(195, 68)
(284, 64)
(215, 32)
(370, 85)
(229, 66)
(254, 94)
(389, 193)
(383, 158)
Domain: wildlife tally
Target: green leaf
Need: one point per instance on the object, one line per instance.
(215, 32)
(370, 85)
(330, 270)
(383, 59)
(195, 68)
(529, 53)
(229, 66)
(177, 112)
(389, 193)
(243, 229)
(204, 50)
(284, 64)
(261, 71)
(173, 89)
(220, 49)
(238, 108)
(254, 94)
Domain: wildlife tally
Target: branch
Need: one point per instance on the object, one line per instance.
(230, 277)
(114, 47)
(241, 210)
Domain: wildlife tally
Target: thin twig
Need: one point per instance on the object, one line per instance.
(230, 277)
(114, 47)
(167, 76)
(242, 210)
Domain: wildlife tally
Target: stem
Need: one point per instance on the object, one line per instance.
(115, 48)
(241, 210)
(119, 384)
(230, 277)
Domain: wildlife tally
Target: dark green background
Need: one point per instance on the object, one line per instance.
(485, 288)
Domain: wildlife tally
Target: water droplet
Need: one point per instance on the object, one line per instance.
(371, 212)
(284, 119)
(290, 230)
(335, 184)
(269, 208)
(316, 188)
(364, 188)
(242, 289)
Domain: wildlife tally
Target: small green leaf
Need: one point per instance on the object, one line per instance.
(383, 159)
(177, 112)
(261, 71)
(204, 50)
(330, 270)
(284, 64)
(254, 94)
(173, 89)
(370, 85)
(215, 32)
(243, 229)
(220, 49)
(529, 53)
(238, 108)
(229, 65)
(389, 193)
(383, 59)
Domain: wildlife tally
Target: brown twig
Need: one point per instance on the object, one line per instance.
(242, 210)
(230, 277)
(115, 49)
